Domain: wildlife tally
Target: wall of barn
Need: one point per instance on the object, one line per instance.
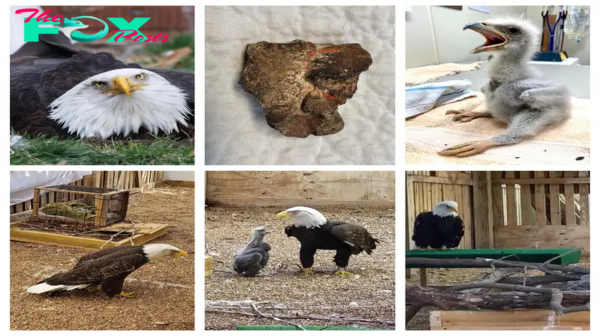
(308, 188)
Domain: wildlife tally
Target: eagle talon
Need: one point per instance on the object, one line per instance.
(344, 274)
(308, 271)
(128, 295)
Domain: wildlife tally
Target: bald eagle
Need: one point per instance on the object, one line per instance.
(57, 89)
(315, 232)
(106, 269)
(255, 256)
(439, 228)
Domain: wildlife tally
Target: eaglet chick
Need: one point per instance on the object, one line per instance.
(255, 256)
(515, 94)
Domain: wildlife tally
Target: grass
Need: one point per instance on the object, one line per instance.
(157, 49)
(54, 151)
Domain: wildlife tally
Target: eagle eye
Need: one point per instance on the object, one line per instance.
(99, 84)
(141, 76)
(514, 30)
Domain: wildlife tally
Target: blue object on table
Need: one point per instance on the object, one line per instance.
(551, 30)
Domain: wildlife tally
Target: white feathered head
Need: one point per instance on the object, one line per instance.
(445, 209)
(119, 103)
(304, 217)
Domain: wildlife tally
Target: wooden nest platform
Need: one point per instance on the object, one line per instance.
(94, 239)
(74, 204)
(531, 319)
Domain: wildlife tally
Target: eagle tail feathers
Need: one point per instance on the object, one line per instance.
(44, 287)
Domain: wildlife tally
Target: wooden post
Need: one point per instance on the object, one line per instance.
(482, 209)
(410, 215)
(101, 210)
(584, 199)
(36, 202)
(423, 277)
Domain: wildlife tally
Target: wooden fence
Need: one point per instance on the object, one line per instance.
(135, 181)
(542, 209)
(309, 188)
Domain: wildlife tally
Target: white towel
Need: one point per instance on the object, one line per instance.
(422, 98)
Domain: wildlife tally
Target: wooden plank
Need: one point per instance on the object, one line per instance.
(526, 218)
(542, 180)
(482, 209)
(381, 185)
(101, 210)
(183, 184)
(497, 201)
(410, 209)
(584, 200)
(547, 236)
(141, 228)
(276, 186)
(554, 199)
(520, 327)
(140, 239)
(443, 180)
(511, 202)
(540, 201)
(36, 202)
(46, 238)
(570, 200)
(530, 319)
(464, 197)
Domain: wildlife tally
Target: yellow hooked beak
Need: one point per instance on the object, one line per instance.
(122, 83)
(455, 210)
(282, 214)
(180, 254)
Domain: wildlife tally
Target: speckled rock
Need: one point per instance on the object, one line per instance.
(300, 84)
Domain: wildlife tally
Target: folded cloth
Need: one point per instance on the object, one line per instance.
(422, 98)
(422, 75)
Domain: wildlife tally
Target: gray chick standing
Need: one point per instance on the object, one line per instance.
(255, 256)
(516, 93)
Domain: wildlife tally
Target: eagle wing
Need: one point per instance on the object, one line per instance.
(106, 252)
(98, 270)
(355, 236)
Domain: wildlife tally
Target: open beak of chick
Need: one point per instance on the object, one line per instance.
(122, 84)
(494, 40)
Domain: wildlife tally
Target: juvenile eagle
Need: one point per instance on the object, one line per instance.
(516, 93)
(57, 89)
(255, 256)
(439, 228)
(315, 232)
(106, 269)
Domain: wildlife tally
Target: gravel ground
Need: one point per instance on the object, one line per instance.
(452, 276)
(369, 294)
(164, 289)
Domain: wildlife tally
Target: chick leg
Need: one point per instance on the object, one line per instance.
(466, 116)
(468, 148)
(524, 125)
